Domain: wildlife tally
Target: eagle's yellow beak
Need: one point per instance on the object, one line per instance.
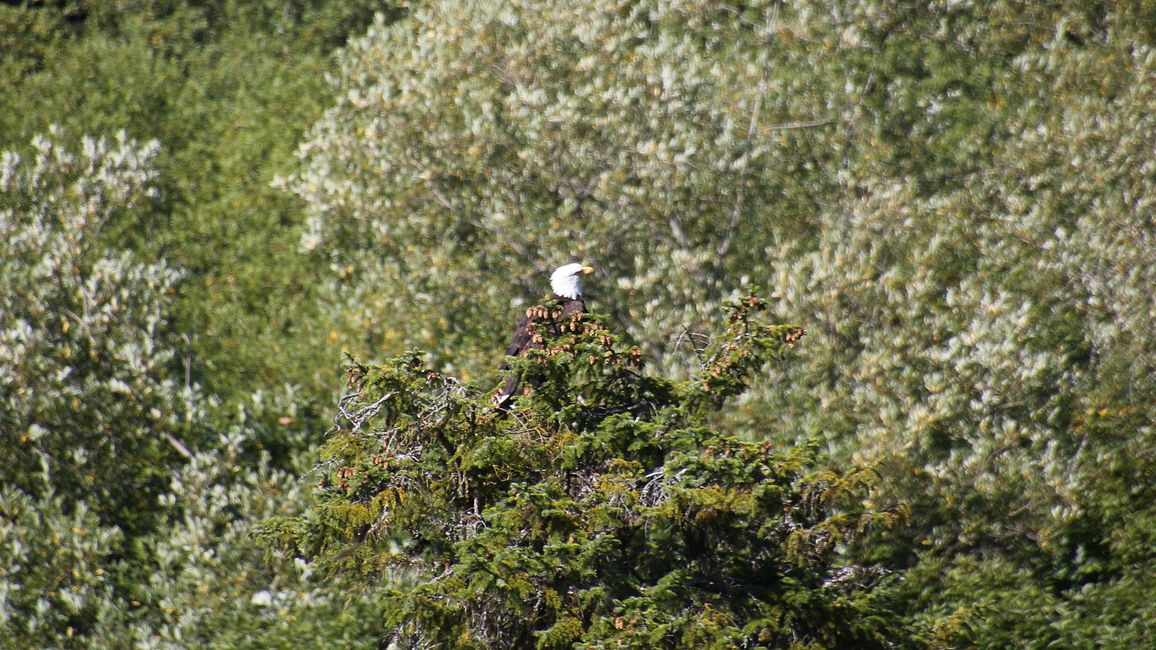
(587, 270)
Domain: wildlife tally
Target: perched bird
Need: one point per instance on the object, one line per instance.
(566, 294)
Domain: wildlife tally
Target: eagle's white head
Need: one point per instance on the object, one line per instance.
(566, 281)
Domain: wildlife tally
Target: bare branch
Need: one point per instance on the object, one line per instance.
(724, 246)
(179, 446)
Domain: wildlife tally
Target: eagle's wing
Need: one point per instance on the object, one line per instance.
(520, 341)
(523, 340)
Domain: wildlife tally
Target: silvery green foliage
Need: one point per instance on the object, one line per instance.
(987, 341)
(979, 329)
(123, 522)
(209, 584)
(54, 584)
(202, 580)
(478, 144)
(88, 388)
(80, 388)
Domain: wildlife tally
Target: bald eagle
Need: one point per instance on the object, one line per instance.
(566, 294)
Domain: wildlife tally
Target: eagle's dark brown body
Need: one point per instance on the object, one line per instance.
(523, 340)
(559, 311)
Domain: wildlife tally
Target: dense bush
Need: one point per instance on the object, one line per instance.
(227, 86)
(986, 330)
(127, 491)
(92, 393)
(123, 513)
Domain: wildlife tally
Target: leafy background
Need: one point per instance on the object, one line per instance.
(204, 203)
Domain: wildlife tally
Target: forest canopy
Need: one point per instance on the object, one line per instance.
(229, 228)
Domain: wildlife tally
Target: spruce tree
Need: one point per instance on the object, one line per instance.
(601, 509)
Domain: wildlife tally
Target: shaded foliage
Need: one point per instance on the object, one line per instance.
(227, 86)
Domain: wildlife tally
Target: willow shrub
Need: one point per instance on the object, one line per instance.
(126, 491)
